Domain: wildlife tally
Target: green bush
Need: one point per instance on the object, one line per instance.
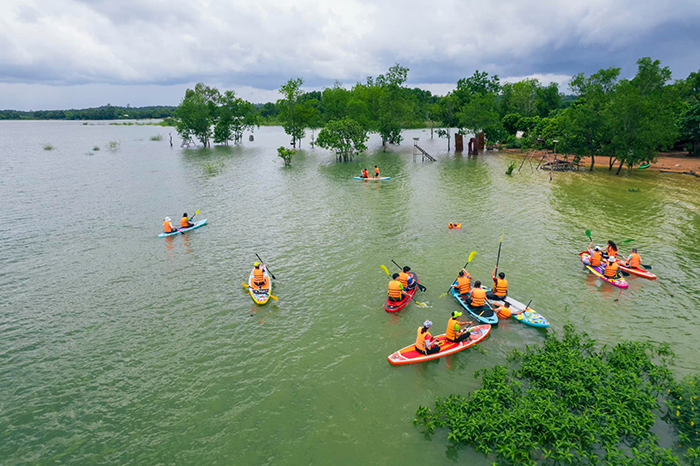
(157, 137)
(513, 143)
(683, 405)
(511, 167)
(96, 148)
(48, 146)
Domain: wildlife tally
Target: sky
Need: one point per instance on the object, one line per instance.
(59, 54)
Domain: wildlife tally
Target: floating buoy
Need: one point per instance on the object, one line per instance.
(454, 226)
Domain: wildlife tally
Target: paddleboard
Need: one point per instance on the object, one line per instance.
(485, 316)
(409, 355)
(372, 178)
(201, 223)
(525, 315)
(600, 271)
(395, 306)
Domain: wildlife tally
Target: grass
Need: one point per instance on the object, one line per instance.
(212, 169)
(48, 146)
(114, 145)
(157, 137)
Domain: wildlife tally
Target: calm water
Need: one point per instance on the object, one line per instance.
(118, 347)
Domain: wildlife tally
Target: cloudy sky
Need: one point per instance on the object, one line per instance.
(81, 53)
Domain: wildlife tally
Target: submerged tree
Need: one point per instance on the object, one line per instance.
(345, 137)
(291, 114)
(197, 113)
(395, 105)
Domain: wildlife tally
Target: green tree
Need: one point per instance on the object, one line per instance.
(524, 98)
(395, 105)
(446, 113)
(197, 113)
(289, 105)
(479, 114)
(690, 128)
(548, 99)
(335, 101)
(345, 137)
(235, 116)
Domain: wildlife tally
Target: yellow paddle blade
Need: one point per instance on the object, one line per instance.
(274, 297)
(502, 233)
(471, 256)
(196, 213)
(383, 267)
(245, 284)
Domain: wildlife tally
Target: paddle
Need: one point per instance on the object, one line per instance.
(420, 287)
(266, 267)
(194, 214)
(471, 257)
(383, 267)
(499, 252)
(271, 296)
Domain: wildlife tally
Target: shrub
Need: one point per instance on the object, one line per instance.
(48, 146)
(114, 145)
(286, 155)
(157, 137)
(212, 169)
(511, 167)
(96, 148)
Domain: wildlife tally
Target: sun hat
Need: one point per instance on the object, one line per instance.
(427, 324)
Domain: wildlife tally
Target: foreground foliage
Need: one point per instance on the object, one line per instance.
(567, 403)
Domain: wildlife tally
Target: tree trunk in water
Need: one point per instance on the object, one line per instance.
(611, 163)
(431, 129)
(448, 140)
(592, 162)
(619, 168)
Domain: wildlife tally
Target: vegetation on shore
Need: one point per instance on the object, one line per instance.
(566, 403)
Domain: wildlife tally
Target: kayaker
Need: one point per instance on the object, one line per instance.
(185, 221)
(464, 283)
(477, 297)
(376, 171)
(633, 260)
(500, 286)
(611, 249)
(596, 256)
(168, 227)
(454, 333)
(258, 275)
(504, 311)
(407, 279)
(424, 340)
(396, 292)
(611, 268)
(365, 174)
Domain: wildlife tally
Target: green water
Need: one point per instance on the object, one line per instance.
(118, 347)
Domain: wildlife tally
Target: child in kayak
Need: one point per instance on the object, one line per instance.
(424, 340)
(454, 333)
(185, 221)
(633, 260)
(168, 227)
(396, 291)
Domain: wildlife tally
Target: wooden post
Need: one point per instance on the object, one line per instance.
(459, 142)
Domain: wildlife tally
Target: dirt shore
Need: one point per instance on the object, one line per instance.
(666, 162)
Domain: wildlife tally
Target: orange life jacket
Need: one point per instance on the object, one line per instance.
(611, 270)
(167, 228)
(420, 338)
(500, 287)
(611, 251)
(184, 222)
(395, 288)
(464, 283)
(596, 258)
(258, 276)
(451, 332)
(478, 297)
(376, 171)
(403, 278)
(635, 260)
(365, 174)
(503, 312)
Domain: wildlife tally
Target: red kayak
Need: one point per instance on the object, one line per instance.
(394, 306)
(638, 272)
(410, 355)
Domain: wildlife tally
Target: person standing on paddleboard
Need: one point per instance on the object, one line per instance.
(376, 171)
(454, 333)
(185, 221)
(424, 340)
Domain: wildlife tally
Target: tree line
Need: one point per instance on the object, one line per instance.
(106, 112)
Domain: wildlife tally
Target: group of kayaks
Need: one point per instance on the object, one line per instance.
(619, 281)
(485, 318)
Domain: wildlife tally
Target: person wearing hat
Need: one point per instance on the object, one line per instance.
(424, 340)
(185, 221)
(596, 256)
(258, 275)
(168, 227)
(454, 333)
(633, 260)
(611, 268)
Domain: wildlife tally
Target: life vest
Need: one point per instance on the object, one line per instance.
(464, 284)
(451, 333)
(454, 226)
(376, 171)
(596, 258)
(478, 297)
(503, 312)
(611, 270)
(420, 339)
(403, 278)
(611, 251)
(365, 174)
(258, 276)
(184, 222)
(395, 288)
(167, 227)
(500, 287)
(635, 260)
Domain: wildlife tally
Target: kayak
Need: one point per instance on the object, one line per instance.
(260, 295)
(394, 306)
(485, 315)
(526, 315)
(201, 223)
(372, 178)
(639, 272)
(599, 272)
(644, 165)
(409, 355)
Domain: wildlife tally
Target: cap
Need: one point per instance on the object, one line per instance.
(167, 219)
(611, 259)
(456, 314)
(597, 248)
(256, 264)
(427, 324)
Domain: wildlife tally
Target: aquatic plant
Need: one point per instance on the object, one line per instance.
(157, 137)
(683, 404)
(511, 167)
(114, 145)
(212, 169)
(285, 154)
(565, 403)
(95, 148)
(48, 146)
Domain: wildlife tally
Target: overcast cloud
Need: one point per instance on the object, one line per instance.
(73, 53)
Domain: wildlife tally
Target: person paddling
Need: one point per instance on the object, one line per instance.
(407, 279)
(596, 256)
(464, 284)
(168, 226)
(365, 174)
(454, 333)
(633, 260)
(376, 171)
(611, 268)
(424, 340)
(185, 221)
(396, 292)
(500, 286)
(258, 275)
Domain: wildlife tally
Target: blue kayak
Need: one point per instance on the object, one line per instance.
(201, 223)
(484, 315)
(524, 314)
